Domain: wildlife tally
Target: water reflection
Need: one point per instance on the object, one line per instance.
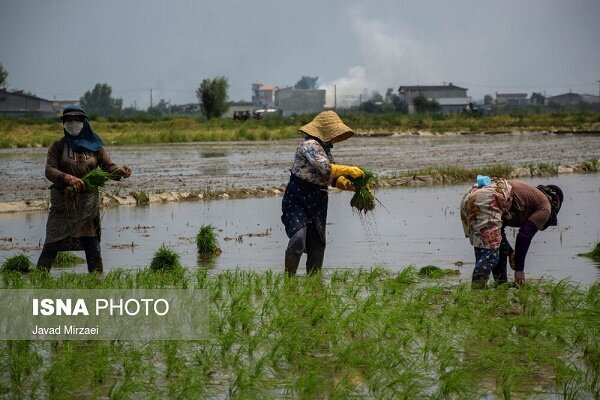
(422, 227)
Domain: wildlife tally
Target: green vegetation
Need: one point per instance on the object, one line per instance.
(207, 242)
(141, 197)
(96, 179)
(212, 97)
(65, 259)
(363, 199)
(454, 174)
(17, 263)
(120, 130)
(594, 254)
(165, 260)
(348, 334)
(432, 271)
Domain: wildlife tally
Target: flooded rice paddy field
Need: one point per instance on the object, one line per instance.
(421, 226)
(223, 165)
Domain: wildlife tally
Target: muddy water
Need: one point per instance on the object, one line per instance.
(196, 166)
(422, 227)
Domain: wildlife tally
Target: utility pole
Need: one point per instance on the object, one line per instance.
(335, 97)
(150, 97)
(598, 92)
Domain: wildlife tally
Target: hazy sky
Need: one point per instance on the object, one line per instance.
(62, 48)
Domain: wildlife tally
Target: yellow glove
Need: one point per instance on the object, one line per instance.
(344, 184)
(341, 170)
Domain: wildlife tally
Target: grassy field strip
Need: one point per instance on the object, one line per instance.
(345, 334)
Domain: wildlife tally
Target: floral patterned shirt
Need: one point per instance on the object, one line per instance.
(312, 163)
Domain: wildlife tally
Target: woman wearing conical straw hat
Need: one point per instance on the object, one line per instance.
(304, 204)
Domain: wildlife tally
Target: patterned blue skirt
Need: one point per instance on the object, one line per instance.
(304, 203)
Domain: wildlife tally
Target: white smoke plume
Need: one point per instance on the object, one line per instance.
(391, 58)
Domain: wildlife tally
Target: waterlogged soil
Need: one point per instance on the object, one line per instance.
(418, 226)
(197, 167)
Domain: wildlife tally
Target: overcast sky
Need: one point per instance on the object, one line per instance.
(62, 48)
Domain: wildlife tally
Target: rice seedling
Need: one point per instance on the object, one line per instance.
(432, 271)
(165, 260)
(359, 333)
(206, 241)
(364, 199)
(17, 263)
(141, 197)
(65, 259)
(594, 254)
(97, 178)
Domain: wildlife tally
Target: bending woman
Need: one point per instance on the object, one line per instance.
(487, 210)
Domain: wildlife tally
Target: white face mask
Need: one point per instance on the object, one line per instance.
(73, 127)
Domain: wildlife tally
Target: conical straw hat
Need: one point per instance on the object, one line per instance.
(327, 126)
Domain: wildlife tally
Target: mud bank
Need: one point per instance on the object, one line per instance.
(409, 180)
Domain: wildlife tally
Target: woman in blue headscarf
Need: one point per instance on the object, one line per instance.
(74, 224)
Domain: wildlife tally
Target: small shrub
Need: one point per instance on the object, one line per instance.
(19, 263)
(206, 240)
(165, 260)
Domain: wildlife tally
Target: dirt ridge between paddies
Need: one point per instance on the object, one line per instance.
(424, 177)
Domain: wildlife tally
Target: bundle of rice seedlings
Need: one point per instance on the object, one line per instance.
(432, 271)
(18, 263)
(594, 254)
(65, 259)
(363, 199)
(165, 260)
(93, 180)
(206, 241)
(96, 178)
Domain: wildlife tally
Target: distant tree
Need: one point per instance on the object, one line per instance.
(422, 105)
(307, 82)
(376, 97)
(370, 106)
(538, 99)
(100, 102)
(212, 96)
(488, 100)
(3, 76)
(161, 108)
(400, 106)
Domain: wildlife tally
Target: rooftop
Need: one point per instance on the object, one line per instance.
(430, 87)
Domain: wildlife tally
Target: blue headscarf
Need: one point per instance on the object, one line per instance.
(87, 140)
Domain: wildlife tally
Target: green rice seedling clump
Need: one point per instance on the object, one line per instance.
(432, 271)
(206, 241)
(364, 199)
(18, 263)
(165, 260)
(595, 254)
(96, 178)
(65, 259)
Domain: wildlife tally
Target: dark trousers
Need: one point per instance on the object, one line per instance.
(492, 261)
(91, 245)
(306, 240)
